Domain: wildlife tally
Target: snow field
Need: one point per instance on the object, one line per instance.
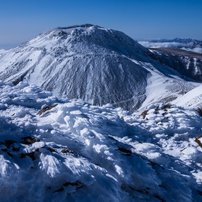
(73, 150)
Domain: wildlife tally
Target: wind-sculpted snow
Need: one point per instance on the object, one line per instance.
(68, 150)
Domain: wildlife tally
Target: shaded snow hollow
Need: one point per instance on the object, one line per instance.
(55, 149)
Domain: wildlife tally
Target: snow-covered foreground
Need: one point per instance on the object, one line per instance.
(73, 151)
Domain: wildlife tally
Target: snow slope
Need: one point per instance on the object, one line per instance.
(163, 89)
(55, 149)
(95, 64)
(192, 99)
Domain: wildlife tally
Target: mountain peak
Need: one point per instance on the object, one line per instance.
(77, 26)
(91, 38)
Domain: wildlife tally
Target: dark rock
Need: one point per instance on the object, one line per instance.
(69, 151)
(8, 143)
(31, 155)
(77, 183)
(46, 109)
(124, 150)
(144, 114)
(59, 190)
(199, 192)
(16, 149)
(29, 140)
(10, 154)
(198, 141)
(51, 150)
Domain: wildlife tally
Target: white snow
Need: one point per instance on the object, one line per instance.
(192, 99)
(78, 152)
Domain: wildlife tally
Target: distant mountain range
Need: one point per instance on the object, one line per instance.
(186, 44)
(179, 40)
(100, 66)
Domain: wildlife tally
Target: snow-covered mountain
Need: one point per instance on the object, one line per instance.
(87, 62)
(185, 44)
(99, 66)
(53, 149)
(56, 149)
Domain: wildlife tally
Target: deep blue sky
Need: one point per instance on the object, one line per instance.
(21, 20)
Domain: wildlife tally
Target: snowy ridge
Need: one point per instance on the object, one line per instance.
(66, 150)
(2, 51)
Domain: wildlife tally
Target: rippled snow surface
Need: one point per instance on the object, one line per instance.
(55, 149)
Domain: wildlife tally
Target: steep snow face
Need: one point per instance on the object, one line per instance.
(60, 150)
(87, 62)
